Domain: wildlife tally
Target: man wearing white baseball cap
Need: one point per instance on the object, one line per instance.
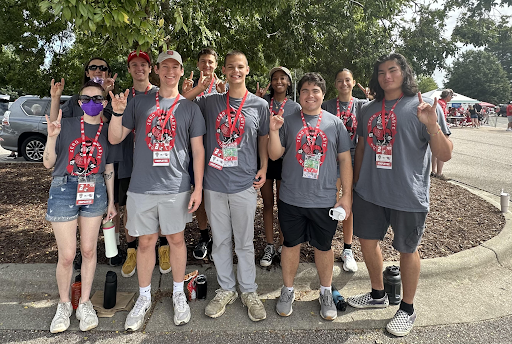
(167, 127)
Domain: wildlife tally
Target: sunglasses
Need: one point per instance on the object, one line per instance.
(94, 67)
(85, 99)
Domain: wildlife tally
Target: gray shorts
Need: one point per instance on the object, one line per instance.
(509, 119)
(371, 222)
(147, 212)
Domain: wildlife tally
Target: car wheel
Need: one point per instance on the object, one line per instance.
(33, 148)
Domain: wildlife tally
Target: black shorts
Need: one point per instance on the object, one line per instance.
(124, 183)
(274, 169)
(306, 224)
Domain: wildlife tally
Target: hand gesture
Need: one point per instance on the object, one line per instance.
(119, 101)
(108, 83)
(221, 84)
(188, 84)
(57, 88)
(205, 81)
(427, 113)
(276, 121)
(54, 127)
(260, 92)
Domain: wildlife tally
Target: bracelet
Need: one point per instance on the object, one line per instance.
(438, 130)
(116, 114)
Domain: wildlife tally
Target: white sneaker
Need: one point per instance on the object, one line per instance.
(87, 316)
(181, 308)
(349, 263)
(135, 318)
(60, 322)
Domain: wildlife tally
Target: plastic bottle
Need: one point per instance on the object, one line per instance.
(76, 291)
(109, 236)
(393, 284)
(110, 292)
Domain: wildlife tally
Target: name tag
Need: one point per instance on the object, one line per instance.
(85, 193)
(311, 166)
(216, 160)
(230, 155)
(384, 157)
(161, 158)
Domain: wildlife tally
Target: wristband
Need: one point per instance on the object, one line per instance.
(437, 132)
(116, 114)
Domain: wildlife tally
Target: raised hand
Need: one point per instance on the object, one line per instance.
(276, 121)
(119, 101)
(260, 92)
(108, 83)
(427, 113)
(220, 84)
(205, 81)
(366, 90)
(57, 88)
(54, 127)
(188, 84)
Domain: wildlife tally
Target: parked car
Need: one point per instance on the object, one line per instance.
(24, 126)
(503, 110)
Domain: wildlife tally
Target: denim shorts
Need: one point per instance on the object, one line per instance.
(62, 200)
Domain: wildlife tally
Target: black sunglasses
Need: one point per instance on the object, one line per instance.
(85, 99)
(94, 67)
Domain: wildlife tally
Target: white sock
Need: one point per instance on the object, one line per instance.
(145, 291)
(290, 289)
(177, 287)
(117, 239)
(323, 289)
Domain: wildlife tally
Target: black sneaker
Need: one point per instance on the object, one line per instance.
(201, 249)
(116, 260)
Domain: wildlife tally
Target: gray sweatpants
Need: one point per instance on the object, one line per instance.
(232, 215)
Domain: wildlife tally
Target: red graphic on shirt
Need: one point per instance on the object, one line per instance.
(350, 123)
(77, 164)
(158, 138)
(222, 126)
(377, 134)
(302, 147)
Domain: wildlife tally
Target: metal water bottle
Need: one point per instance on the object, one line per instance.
(110, 292)
(338, 299)
(393, 284)
(201, 287)
(76, 291)
(109, 236)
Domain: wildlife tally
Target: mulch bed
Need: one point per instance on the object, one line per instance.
(458, 220)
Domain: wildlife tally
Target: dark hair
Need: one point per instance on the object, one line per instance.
(409, 85)
(289, 89)
(86, 78)
(343, 70)
(313, 78)
(447, 93)
(234, 53)
(207, 51)
(91, 83)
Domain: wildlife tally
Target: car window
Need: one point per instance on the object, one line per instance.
(3, 108)
(35, 107)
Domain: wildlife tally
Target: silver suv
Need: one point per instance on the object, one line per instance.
(24, 126)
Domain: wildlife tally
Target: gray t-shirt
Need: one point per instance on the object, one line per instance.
(404, 187)
(186, 123)
(253, 122)
(125, 166)
(289, 107)
(332, 139)
(68, 147)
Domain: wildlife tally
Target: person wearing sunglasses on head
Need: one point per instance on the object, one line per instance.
(82, 190)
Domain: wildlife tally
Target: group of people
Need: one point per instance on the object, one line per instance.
(371, 158)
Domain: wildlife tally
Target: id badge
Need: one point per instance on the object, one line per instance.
(216, 160)
(230, 154)
(384, 157)
(161, 155)
(311, 166)
(85, 193)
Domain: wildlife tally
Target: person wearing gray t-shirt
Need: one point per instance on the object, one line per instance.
(397, 132)
(310, 141)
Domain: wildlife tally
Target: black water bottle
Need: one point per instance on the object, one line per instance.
(109, 294)
(201, 287)
(393, 284)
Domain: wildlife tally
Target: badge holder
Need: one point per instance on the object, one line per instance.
(85, 191)
(216, 160)
(311, 166)
(230, 154)
(384, 157)
(162, 156)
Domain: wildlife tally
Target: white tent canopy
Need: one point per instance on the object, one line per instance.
(458, 99)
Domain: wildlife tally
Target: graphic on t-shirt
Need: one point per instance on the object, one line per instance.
(222, 125)
(302, 147)
(158, 138)
(351, 124)
(78, 160)
(378, 135)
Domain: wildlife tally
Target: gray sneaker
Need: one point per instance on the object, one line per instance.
(60, 322)
(135, 318)
(284, 304)
(217, 306)
(255, 307)
(401, 324)
(367, 301)
(328, 309)
(87, 316)
(181, 308)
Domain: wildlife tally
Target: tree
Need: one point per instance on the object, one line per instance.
(478, 74)
(426, 83)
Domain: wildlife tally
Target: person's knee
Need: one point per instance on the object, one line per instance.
(177, 239)
(88, 252)
(147, 242)
(67, 257)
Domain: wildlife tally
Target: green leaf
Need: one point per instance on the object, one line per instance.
(108, 19)
(66, 13)
(73, 2)
(82, 9)
(98, 17)
(92, 25)
(44, 5)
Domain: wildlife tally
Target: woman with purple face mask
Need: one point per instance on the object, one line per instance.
(82, 189)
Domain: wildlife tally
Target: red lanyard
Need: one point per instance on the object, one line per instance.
(280, 108)
(93, 144)
(311, 140)
(169, 113)
(345, 114)
(238, 112)
(147, 89)
(209, 88)
(383, 112)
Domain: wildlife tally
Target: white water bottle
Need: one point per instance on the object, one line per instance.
(109, 236)
(504, 200)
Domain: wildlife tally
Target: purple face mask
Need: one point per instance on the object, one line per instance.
(91, 108)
